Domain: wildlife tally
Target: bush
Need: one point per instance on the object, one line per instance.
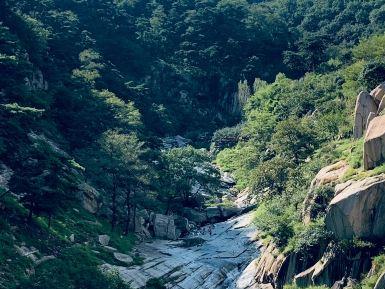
(225, 138)
(372, 74)
(276, 219)
(75, 268)
(309, 237)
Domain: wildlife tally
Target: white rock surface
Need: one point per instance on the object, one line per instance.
(216, 264)
(123, 257)
(104, 240)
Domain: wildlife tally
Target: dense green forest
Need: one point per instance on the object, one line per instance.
(90, 88)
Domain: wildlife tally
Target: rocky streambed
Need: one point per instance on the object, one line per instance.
(218, 261)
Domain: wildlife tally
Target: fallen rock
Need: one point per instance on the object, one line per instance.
(359, 210)
(88, 196)
(104, 240)
(328, 175)
(228, 179)
(213, 214)
(164, 227)
(123, 258)
(374, 145)
(365, 104)
(380, 284)
(379, 92)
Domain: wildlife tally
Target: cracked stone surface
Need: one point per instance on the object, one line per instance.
(217, 263)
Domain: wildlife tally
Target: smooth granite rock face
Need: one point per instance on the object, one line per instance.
(374, 144)
(358, 210)
(215, 264)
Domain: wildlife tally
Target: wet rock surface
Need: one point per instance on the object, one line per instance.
(218, 262)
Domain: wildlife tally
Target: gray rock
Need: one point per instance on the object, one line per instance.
(216, 264)
(195, 216)
(123, 257)
(104, 240)
(164, 227)
(359, 210)
(374, 144)
(88, 196)
(72, 238)
(371, 116)
(364, 106)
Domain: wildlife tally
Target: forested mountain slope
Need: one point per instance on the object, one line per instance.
(90, 88)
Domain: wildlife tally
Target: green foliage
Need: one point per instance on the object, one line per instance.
(75, 267)
(276, 220)
(183, 169)
(372, 74)
(155, 283)
(305, 238)
(379, 265)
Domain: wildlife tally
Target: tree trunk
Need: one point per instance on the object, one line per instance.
(113, 204)
(128, 217)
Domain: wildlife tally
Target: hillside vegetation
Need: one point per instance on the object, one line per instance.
(90, 89)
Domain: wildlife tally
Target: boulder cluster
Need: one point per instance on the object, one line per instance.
(369, 121)
(353, 209)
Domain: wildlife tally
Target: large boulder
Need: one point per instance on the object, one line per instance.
(164, 227)
(89, 197)
(327, 176)
(374, 145)
(365, 104)
(358, 210)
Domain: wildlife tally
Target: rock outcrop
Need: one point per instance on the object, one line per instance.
(164, 227)
(374, 145)
(315, 200)
(358, 210)
(364, 106)
(335, 268)
(88, 196)
(272, 268)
